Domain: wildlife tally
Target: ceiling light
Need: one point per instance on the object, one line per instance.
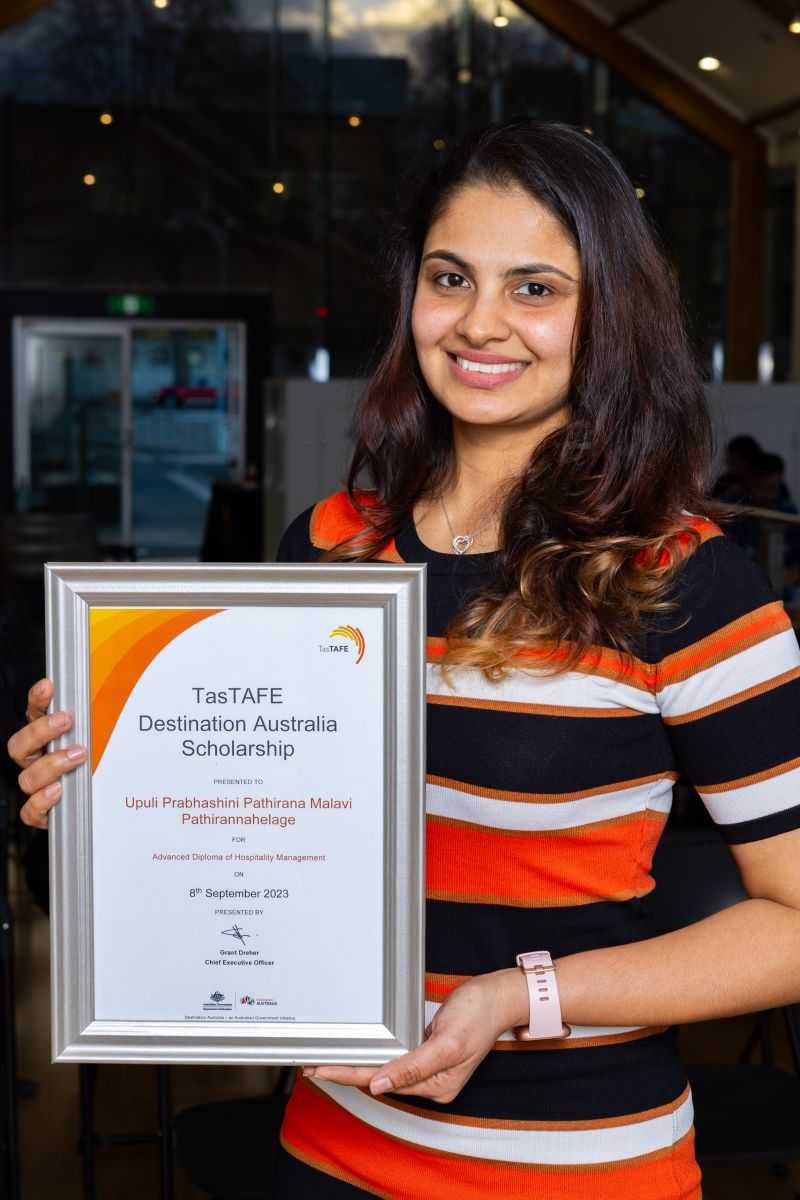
(640, 193)
(278, 188)
(160, 3)
(500, 19)
(106, 118)
(588, 130)
(794, 24)
(438, 143)
(90, 180)
(709, 63)
(464, 75)
(354, 121)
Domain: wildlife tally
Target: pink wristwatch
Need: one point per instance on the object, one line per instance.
(545, 1016)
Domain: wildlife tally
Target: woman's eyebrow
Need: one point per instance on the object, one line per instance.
(448, 256)
(511, 273)
(538, 269)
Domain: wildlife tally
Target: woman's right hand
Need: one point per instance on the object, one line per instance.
(40, 778)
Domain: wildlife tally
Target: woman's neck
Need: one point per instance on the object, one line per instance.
(469, 504)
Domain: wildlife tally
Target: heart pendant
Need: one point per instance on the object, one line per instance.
(462, 543)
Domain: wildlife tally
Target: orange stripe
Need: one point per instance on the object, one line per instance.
(439, 987)
(326, 1136)
(544, 710)
(749, 630)
(571, 901)
(527, 869)
(746, 780)
(335, 520)
(608, 664)
(473, 789)
(758, 689)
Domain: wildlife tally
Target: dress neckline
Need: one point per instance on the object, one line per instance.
(411, 548)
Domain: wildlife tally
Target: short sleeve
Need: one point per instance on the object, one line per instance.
(727, 668)
(295, 546)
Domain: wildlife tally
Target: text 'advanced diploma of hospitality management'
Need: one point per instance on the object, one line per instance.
(237, 813)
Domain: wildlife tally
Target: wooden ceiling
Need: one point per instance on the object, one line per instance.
(12, 11)
(758, 81)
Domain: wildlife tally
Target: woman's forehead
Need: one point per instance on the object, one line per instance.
(482, 222)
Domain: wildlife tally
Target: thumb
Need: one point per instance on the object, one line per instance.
(434, 1055)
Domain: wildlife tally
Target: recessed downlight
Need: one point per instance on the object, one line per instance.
(708, 63)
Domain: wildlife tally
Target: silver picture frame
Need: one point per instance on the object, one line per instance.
(398, 591)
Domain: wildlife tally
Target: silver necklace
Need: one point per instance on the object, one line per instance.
(461, 542)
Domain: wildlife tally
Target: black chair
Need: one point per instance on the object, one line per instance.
(228, 1148)
(744, 1113)
(90, 1141)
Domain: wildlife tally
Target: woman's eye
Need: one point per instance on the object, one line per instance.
(450, 279)
(537, 290)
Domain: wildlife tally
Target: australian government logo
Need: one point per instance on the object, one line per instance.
(350, 633)
(217, 1003)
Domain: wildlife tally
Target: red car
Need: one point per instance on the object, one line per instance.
(179, 396)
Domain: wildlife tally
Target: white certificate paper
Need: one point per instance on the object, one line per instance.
(237, 813)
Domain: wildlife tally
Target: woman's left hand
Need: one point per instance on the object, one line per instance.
(458, 1038)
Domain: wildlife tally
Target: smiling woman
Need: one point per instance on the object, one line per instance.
(536, 432)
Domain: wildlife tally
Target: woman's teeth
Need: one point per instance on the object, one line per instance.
(466, 364)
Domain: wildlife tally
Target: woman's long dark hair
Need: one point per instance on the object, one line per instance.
(592, 532)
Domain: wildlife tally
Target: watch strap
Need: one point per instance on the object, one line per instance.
(545, 1004)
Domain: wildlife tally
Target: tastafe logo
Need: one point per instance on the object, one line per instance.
(355, 635)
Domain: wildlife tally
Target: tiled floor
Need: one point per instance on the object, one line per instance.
(126, 1099)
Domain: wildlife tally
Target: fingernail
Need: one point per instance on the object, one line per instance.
(380, 1085)
(40, 688)
(76, 753)
(309, 1071)
(58, 720)
(52, 790)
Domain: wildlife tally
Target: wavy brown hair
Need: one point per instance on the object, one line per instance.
(593, 531)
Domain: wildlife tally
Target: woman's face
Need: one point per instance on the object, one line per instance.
(494, 311)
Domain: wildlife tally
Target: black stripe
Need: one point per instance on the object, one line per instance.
(740, 832)
(743, 739)
(569, 1085)
(473, 939)
(716, 585)
(534, 753)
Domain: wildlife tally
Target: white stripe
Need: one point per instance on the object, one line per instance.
(747, 669)
(547, 815)
(573, 689)
(755, 800)
(552, 1147)
(578, 1031)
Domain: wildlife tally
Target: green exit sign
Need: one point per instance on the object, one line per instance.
(128, 304)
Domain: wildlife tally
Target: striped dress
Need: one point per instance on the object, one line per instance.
(546, 796)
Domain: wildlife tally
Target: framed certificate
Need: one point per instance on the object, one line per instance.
(237, 873)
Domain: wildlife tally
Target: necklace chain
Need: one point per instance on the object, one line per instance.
(461, 542)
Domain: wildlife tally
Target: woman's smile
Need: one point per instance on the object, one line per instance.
(485, 371)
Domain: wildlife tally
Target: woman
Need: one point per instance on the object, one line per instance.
(536, 432)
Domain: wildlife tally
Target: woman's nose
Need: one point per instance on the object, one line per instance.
(483, 320)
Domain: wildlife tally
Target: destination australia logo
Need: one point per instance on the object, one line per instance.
(352, 634)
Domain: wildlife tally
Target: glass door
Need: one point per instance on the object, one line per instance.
(186, 390)
(70, 383)
(134, 421)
